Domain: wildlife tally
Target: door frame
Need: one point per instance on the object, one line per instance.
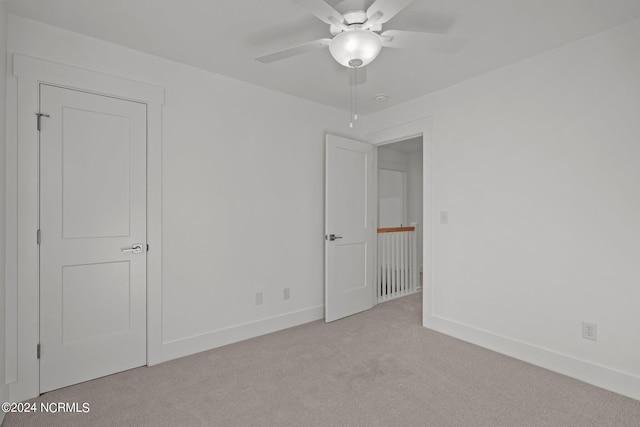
(387, 135)
(22, 316)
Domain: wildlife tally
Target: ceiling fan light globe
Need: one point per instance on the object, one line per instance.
(355, 47)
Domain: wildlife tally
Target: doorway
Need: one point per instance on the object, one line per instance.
(400, 213)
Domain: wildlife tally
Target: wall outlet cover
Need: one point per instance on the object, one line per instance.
(589, 331)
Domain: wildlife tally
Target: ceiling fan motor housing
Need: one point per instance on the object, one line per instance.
(353, 19)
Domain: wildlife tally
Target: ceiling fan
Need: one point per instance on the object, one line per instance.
(358, 37)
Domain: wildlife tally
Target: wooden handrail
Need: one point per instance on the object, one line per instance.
(395, 229)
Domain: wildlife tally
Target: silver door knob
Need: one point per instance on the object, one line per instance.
(136, 248)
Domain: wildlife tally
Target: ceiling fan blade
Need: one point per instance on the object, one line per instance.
(389, 9)
(322, 11)
(372, 21)
(357, 76)
(423, 41)
(295, 50)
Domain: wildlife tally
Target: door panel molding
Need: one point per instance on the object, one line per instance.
(22, 178)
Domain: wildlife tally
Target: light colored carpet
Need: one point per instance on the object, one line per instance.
(377, 368)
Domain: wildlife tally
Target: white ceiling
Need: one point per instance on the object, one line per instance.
(224, 36)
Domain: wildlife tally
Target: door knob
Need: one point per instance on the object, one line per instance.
(332, 237)
(136, 248)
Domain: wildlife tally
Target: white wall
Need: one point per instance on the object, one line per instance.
(389, 191)
(388, 158)
(537, 165)
(391, 198)
(3, 99)
(411, 165)
(243, 192)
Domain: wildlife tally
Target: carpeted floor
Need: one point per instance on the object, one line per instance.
(377, 368)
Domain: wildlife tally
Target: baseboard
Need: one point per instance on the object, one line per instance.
(598, 375)
(208, 341)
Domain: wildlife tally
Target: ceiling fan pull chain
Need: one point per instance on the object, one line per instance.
(355, 94)
(351, 106)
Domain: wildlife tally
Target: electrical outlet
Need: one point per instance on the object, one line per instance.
(258, 298)
(444, 217)
(589, 331)
(286, 293)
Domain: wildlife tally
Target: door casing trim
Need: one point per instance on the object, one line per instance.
(22, 323)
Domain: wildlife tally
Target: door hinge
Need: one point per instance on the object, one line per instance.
(38, 234)
(38, 350)
(147, 247)
(39, 117)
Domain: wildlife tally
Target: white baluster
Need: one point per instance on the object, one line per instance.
(407, 265)
(403, 275)
(415, 279)
(387, 278)
(382, 269)
(395, 263)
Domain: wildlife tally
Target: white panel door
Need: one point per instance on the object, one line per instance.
(350, 230)
(92, 208)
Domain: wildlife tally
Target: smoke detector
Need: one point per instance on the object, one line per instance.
(380, 97)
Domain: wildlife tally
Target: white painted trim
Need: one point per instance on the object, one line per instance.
(43, 71)
(22, 151)
(210, 340)
(400, 132)
(598, 375)
(392, 166)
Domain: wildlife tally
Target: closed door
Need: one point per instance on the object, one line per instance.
(92, 215)
(350, 205)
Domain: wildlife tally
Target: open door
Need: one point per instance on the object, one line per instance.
(350, 227)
